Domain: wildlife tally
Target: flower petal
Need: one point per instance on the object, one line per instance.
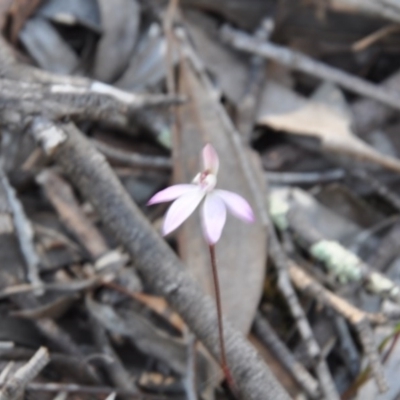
(237, 205)
(210, 159)
(181, 209)
(171, 193)
(213, 217)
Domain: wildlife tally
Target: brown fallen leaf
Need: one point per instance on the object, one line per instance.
(241, 252)
(331, 126)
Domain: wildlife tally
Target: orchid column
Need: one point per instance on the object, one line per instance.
(215, 203)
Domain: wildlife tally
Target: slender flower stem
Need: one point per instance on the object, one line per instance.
(224, 364)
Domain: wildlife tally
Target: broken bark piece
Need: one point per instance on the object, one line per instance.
(15, 386)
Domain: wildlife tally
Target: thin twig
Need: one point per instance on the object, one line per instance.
(305, 178)
(313, 288)
(136, 160)
(282, 265)
(72, 388)
(25, 233)
(368, 114)
(383, 190)
(247, 108)
(300, 62)
(388, 9)
(359, 319)
(374, 37)
(266, 334)
(116, 370)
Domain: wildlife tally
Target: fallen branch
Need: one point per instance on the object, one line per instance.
(300, 62)
(160, 268)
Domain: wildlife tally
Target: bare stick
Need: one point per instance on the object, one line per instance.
(134, 159)
(247, 108)
(307, 284)
(73, 388)
(359, 319)
(305, 178)
(300, 62)
(25, 233)
(282, 265)
(15, 386)
(266, 334)
(161, 270)
(116, 370)
(377, 8)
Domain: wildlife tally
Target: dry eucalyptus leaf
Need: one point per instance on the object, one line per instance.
(120, 20)
(241, 252)
(230, 68)
(332, 127)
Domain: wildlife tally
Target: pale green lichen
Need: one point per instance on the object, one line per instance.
(278, 209)
(165, 138)
(343, 264)
(379, 284)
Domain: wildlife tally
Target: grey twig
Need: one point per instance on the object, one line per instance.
(190, 376)
(15, 386)
(305, 178)
(24, 231)
(300, 62)
(368, 114)
(266, 334)
(72, 388)
(383, 190)
(247, 108)
(389, 9)
(118, 374)
(359, 319)
(161, 270)
(133, 159)
(92, 101)
(281, 263)
(75, 97)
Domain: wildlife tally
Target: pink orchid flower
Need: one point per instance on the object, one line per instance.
(215, 201)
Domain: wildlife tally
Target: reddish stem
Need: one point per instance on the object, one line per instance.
(224, 364)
